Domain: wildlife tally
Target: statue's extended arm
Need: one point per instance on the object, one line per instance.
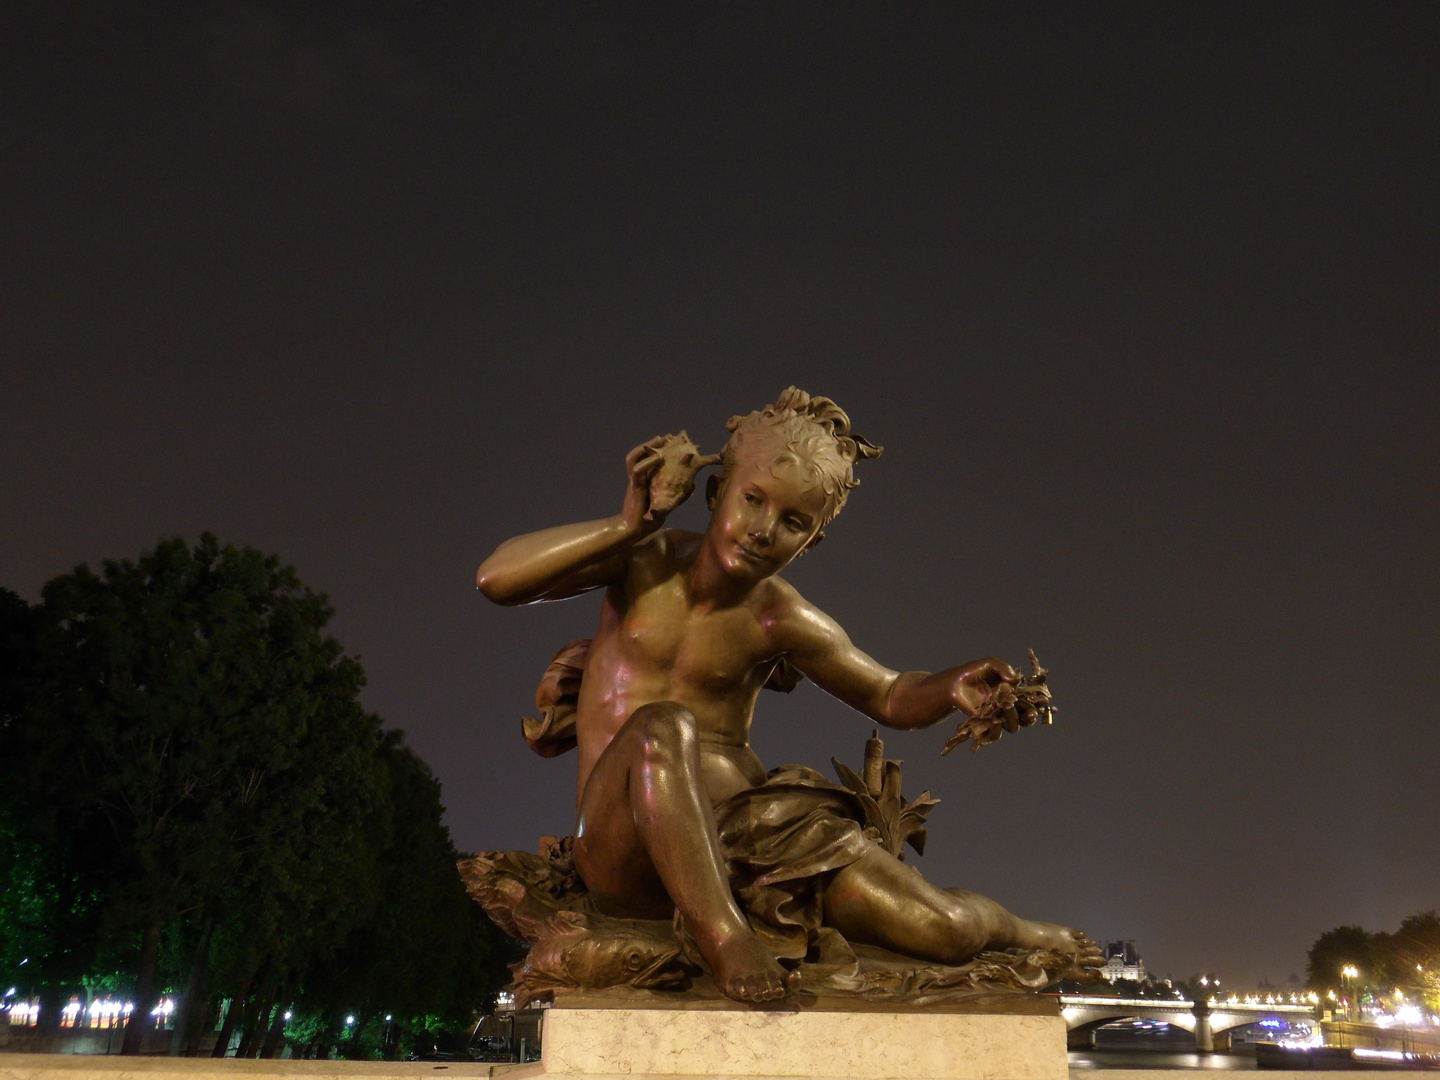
(571, 559)
(819, 647)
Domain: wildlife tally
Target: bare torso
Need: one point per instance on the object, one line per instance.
(655, 644)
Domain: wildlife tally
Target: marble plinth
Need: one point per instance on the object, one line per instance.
(880, 1044)
(99, 1067)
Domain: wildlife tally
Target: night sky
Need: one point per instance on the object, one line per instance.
(1141, 301)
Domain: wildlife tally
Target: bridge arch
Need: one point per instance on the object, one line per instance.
(1084, 1015)
(1083, 1020)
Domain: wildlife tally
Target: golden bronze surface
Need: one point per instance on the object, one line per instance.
(691, 866)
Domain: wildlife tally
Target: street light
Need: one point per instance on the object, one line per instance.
(1351, 973)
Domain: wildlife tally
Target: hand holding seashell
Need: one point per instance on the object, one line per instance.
(673, 462)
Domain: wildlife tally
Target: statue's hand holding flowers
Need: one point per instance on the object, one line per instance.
(997, 699)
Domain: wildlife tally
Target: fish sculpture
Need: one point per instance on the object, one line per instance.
(575, 951)
(538, 899)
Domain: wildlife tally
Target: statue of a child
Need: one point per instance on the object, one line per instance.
(691, 628)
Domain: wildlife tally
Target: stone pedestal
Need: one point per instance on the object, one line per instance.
(1018, 1038)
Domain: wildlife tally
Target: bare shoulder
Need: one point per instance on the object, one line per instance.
(792, 621)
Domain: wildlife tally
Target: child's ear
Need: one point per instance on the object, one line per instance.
(712, 490)
(814, 541)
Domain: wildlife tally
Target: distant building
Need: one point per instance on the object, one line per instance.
(1122, 961)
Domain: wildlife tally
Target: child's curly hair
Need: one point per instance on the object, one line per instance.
(812, 432)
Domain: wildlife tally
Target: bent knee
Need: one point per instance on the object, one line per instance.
(665, 727)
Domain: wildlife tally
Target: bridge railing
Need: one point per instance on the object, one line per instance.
(1102, 1002)
(1105, 1002)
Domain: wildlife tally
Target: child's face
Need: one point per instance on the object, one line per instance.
(768, 512)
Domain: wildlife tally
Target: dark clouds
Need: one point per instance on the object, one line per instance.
(1140, 300)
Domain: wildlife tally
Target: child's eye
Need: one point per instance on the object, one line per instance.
(752, 498)
(793, 525)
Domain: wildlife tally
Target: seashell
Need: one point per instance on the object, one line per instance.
(673, 480)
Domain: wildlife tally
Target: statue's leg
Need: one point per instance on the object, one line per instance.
(646, 836)
(879, 900)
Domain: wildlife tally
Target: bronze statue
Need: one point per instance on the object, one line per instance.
(765, 882)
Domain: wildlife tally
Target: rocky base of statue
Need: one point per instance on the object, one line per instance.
(541, 900)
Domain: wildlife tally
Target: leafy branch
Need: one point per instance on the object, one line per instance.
(894, 819)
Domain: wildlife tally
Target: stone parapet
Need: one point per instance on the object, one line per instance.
(72, 1067)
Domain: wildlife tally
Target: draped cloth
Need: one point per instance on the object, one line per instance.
(783, 842)
(552, 733)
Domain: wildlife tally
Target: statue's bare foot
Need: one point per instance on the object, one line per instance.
(745, 970)
(1090, 957)
(1062, 939)
(1085, 957)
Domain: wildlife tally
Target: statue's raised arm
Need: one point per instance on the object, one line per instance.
(567, 560)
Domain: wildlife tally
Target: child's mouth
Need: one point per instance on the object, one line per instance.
(753, 556)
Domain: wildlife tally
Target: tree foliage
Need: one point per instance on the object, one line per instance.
(1412, 956)
(195, 795)
(1336, 948)
(1407, 960)
(389, 963)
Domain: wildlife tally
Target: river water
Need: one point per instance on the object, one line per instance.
(1118, 1048)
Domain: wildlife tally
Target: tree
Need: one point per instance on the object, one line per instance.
(192, 797)
(17, 650)
(1335, 949)
(188, 730)
(427, 955)
(1407, 960)
(1410, 957)
(20, 873)
(49, 894)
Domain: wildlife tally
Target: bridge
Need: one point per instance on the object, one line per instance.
(1210, 1021)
